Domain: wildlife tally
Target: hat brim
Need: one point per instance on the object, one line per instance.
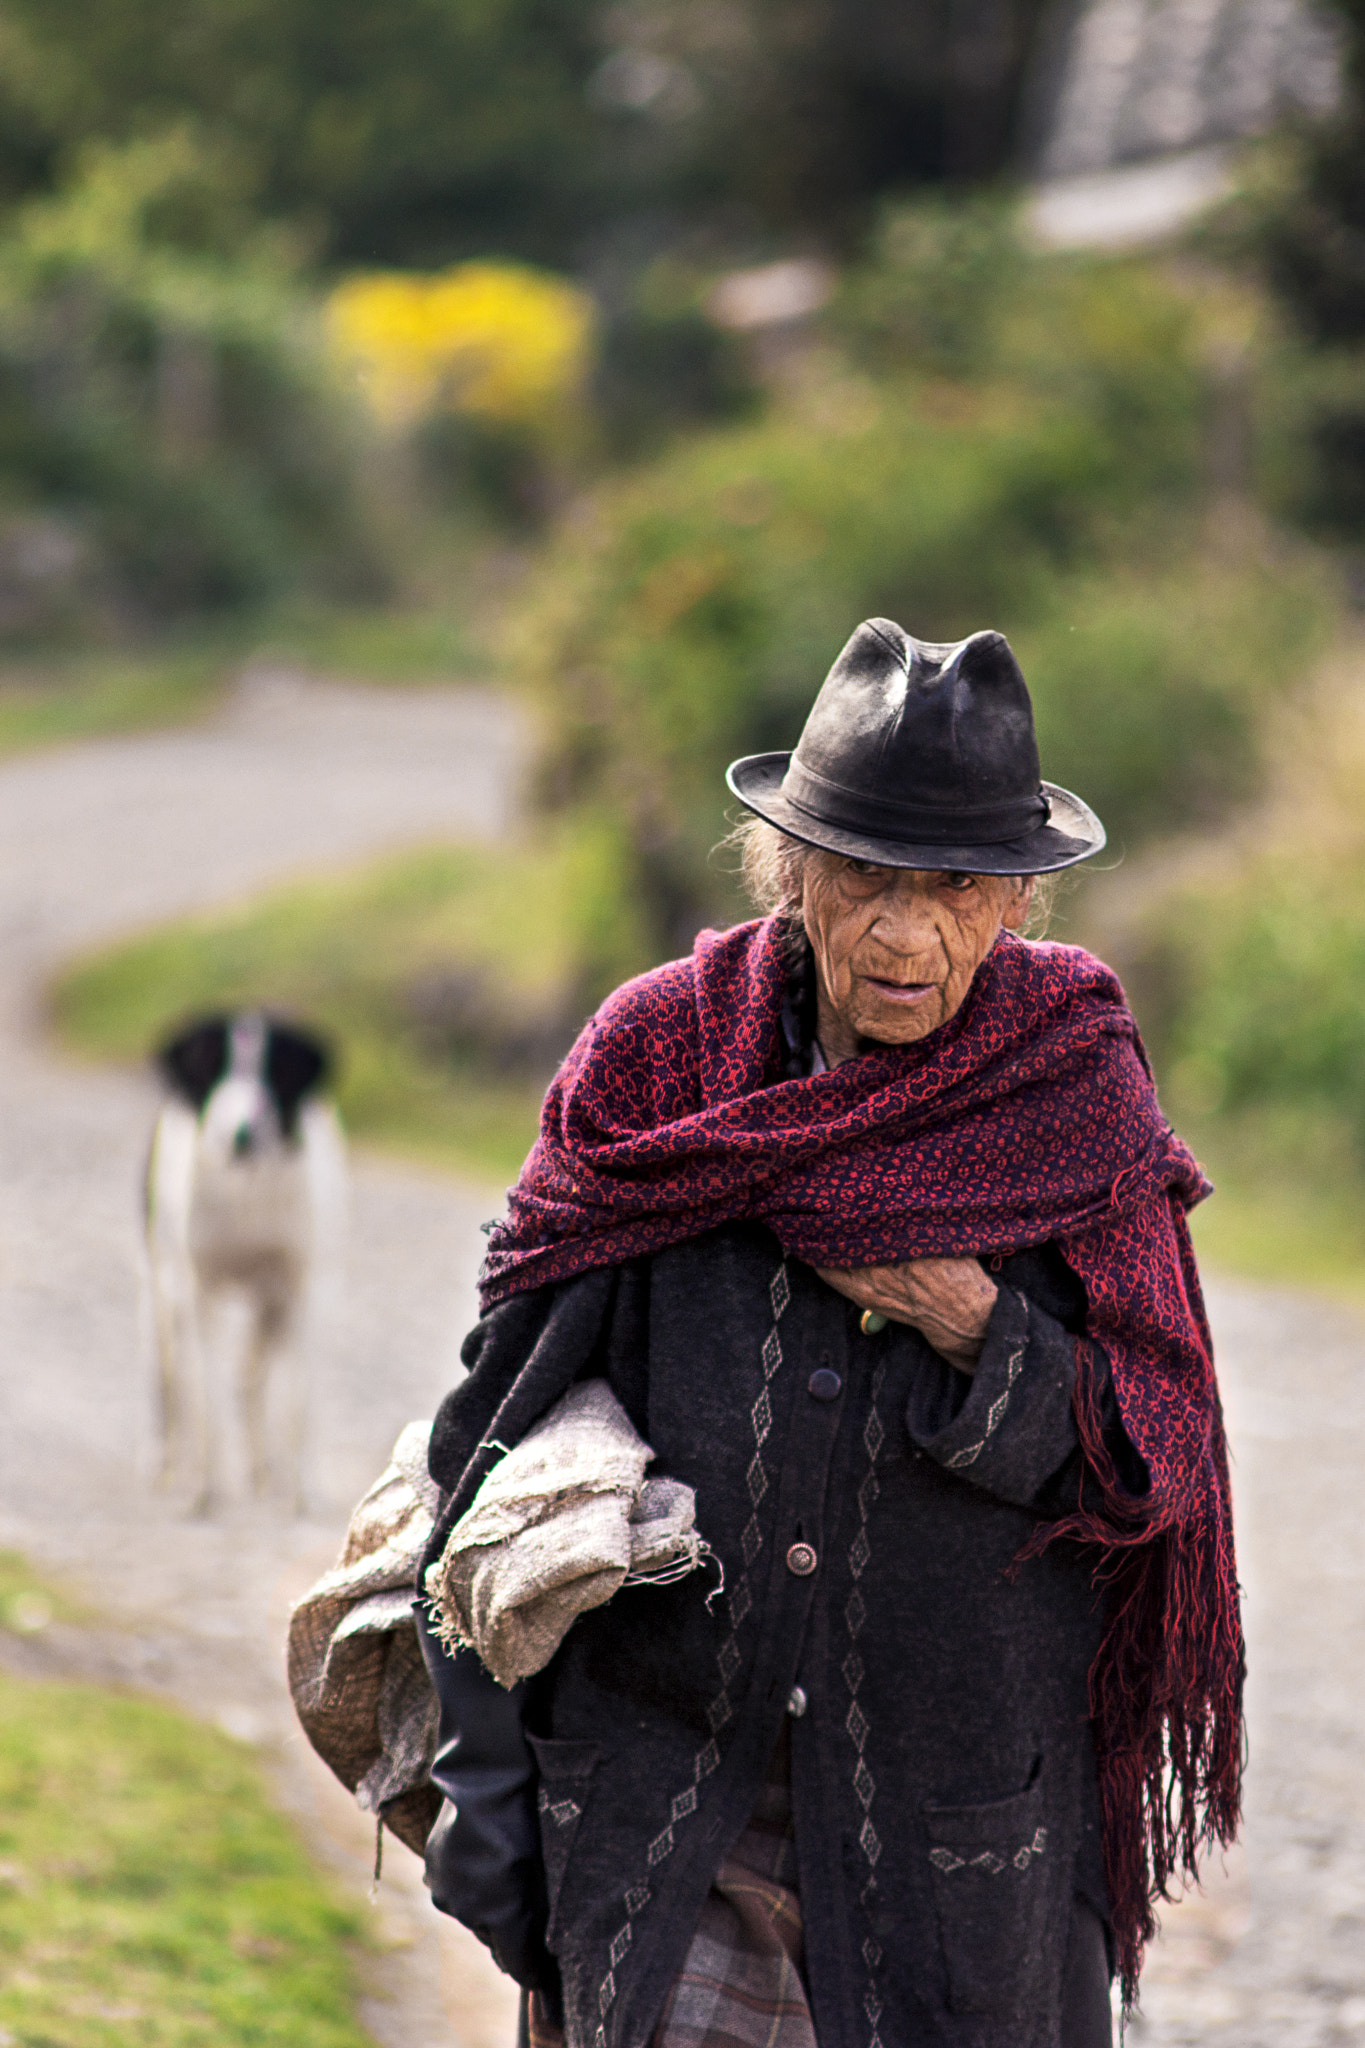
(1072, 834)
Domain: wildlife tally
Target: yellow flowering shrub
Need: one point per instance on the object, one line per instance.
(495, 340)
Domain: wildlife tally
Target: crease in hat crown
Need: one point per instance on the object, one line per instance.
(922, 753)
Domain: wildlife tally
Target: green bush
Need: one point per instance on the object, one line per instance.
(1253, 989)
(1151, 692)
(688, 614)
(452, 980)
(161, 397)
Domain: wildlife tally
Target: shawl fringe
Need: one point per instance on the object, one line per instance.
(1165, 1688)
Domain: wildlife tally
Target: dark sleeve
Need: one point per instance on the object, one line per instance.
(483, 1857)
(521, 1357)
(483, 1862)
(1010, 1427)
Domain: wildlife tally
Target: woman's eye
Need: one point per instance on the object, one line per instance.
(862, 867)
(959, 884)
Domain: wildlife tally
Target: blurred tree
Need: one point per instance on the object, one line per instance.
(163, 410)
(1317, 235)
(1311, 226)
(407, 128)
(416, 131)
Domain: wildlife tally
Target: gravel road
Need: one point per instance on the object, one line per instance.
(102, 837)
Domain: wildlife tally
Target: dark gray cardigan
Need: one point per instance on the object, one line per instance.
(943, 1775)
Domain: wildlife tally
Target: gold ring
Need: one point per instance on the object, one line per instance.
(870, 1323)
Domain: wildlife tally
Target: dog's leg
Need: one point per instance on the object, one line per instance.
(292, 1368)
(167, 1192)
(203, 1464)
(272, 1358)
(167, 1317)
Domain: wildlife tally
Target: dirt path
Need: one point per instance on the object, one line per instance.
(95, 840)
(103, 837)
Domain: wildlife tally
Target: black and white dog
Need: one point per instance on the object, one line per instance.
(245, 1195)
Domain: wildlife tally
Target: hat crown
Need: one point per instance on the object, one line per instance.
(919, 726)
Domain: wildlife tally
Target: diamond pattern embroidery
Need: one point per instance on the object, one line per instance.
(856, 1723)
(729, 1657)
(969, 1454)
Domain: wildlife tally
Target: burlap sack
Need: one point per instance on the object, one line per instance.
(558, 1526)
(356, 1674)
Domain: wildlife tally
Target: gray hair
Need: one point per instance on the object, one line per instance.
(772, 869)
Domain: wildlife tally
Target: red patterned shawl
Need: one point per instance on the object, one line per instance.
(1029, 1116)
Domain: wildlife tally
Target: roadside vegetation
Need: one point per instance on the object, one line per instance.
(148, 1891)
(452, 980)
(338, 375)
(971, 433)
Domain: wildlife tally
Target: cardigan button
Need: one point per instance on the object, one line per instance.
(802, 1560)
(826, 1384)
(797, 1702)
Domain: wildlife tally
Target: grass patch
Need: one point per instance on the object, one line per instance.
(149, 1893)
(48, 699)
(89, 696)
(27, 1602)
(410, 646)
(451, 979)
(1274, 1218)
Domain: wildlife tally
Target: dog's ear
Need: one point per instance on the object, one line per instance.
(195, 1060)
(296, 1064)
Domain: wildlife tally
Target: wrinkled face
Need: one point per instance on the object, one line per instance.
(896, 948)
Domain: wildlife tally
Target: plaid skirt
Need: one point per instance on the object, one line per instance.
(741, 1985)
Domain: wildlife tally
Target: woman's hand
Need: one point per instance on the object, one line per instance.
(948, 1300)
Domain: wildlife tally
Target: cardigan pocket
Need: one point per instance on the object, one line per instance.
(990, 1886)
(565, 1769)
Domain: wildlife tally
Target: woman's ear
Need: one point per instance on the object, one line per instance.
(1018, 903)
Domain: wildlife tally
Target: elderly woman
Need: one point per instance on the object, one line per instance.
(869, 1217)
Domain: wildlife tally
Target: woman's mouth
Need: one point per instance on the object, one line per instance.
(906, 993)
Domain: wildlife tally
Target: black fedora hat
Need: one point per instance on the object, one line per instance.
(922, 756)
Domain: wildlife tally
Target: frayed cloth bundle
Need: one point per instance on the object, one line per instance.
(356, 1671)
(558, 1526)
